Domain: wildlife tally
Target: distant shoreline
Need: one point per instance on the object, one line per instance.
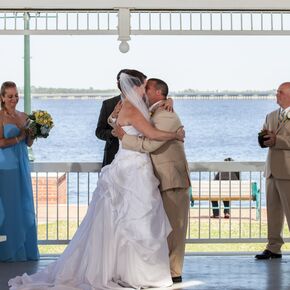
(185, 96)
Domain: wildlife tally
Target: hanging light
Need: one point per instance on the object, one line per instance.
(124, 46)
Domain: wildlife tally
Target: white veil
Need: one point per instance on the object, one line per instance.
(129, 87)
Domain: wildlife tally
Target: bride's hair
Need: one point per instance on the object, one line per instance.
(129, 80)
(118, 77)
(140, 77)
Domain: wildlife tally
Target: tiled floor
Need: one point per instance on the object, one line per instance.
(200, 273)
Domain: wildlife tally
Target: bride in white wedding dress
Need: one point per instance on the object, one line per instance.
(122, 241)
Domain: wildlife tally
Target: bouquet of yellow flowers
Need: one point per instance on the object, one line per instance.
(39, 124)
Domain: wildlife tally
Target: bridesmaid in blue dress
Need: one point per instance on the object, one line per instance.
(18, 217)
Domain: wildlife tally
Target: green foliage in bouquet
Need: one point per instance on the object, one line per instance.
(39, 124)
(263, 132)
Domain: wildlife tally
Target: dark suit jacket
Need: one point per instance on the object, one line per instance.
(103, 130)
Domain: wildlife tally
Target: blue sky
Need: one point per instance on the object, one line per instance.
(197, 62)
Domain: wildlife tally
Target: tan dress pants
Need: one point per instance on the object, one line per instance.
(278, 206)
(176, 205)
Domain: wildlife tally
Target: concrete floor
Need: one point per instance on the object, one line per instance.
(200, 273)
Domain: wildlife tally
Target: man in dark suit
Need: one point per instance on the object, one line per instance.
(103, 130)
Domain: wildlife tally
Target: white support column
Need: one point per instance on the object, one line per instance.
(124, 29)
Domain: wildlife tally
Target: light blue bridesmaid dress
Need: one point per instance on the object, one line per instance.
(17, 211)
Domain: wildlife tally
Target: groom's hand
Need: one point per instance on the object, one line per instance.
(167, 105)
(118, 132)
(180, 134)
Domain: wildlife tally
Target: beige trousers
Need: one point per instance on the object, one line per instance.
(278, 206)
(176, 205)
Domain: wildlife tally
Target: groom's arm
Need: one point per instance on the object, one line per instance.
(163, 121)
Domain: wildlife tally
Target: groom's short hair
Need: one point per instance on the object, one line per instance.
(160, 85)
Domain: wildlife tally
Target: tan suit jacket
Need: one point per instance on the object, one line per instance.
(278, 159)
(168, 157)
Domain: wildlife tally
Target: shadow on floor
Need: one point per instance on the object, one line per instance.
(200, 273)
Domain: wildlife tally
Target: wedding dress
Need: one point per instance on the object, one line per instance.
(122, 241)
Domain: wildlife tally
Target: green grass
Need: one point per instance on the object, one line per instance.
(216, 228)
(52, 231)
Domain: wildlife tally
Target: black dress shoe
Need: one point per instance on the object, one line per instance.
(177, 279)
(214, 216)
(268, 255)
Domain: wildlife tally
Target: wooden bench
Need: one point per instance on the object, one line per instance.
(2, 238)
(220, 190)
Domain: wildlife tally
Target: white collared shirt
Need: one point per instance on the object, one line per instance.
(285, 110)
(282, 114)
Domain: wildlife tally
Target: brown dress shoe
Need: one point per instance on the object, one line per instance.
(268, 255)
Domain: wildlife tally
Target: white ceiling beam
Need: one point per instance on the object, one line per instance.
(124, 29)
(145, 4)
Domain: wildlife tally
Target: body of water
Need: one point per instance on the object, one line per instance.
(215, 129)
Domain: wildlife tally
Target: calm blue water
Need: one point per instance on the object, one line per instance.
(215, 129)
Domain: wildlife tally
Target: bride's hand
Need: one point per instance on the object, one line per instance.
(118, 132)
(180, 134)
(116, 110)
(168, 105)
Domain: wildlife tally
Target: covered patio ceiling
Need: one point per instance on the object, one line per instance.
(176, 5)
(124, 18)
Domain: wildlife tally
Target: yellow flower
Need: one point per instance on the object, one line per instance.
(43, 118)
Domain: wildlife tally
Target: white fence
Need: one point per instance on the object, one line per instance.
(62, 192)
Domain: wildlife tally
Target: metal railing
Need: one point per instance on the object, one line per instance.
(99, 22)
(209, 22)
(188, 22)
(63, 191)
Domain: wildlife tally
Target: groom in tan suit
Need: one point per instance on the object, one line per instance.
(170, 167)
(277, 172)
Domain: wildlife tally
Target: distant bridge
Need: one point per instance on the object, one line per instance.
(193, 95)
(225, 95)
(84, 96)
